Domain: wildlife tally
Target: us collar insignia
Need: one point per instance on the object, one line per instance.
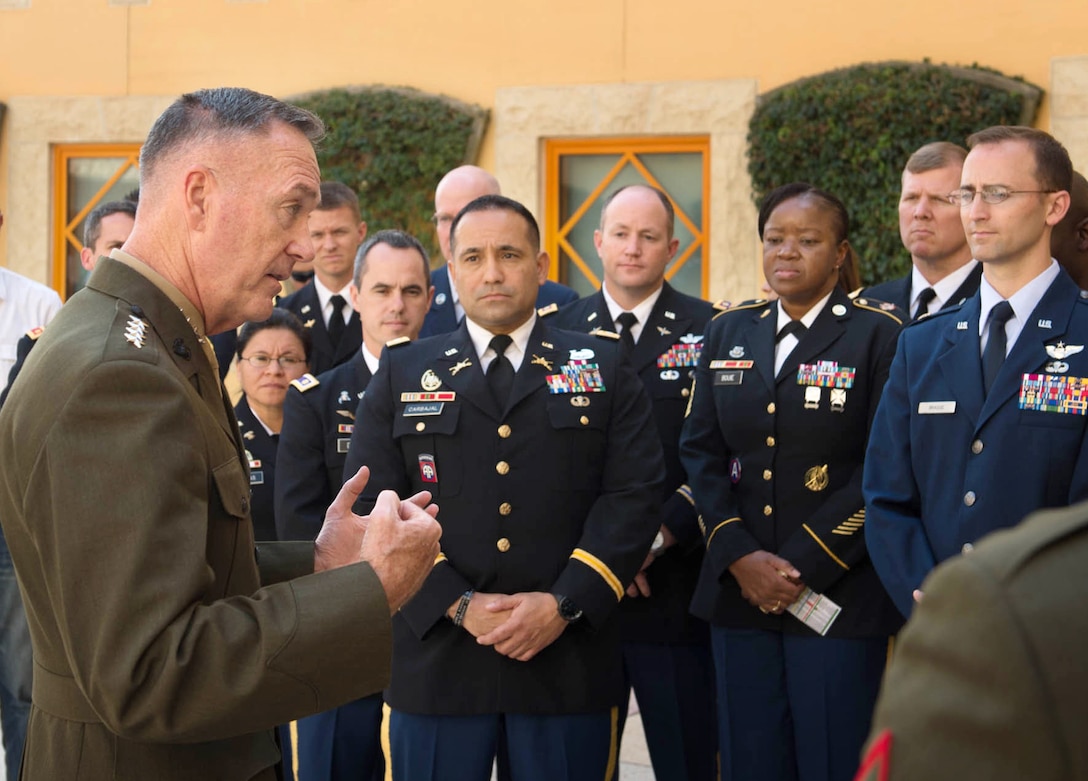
(135, 331)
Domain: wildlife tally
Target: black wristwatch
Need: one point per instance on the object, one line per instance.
(568, 611)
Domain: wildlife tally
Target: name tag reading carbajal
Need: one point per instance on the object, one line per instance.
(432, 408)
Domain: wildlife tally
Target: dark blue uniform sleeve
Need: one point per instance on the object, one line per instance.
(706, 456)
(373, 446)
(626, 515)
(894, 534)
(303, 493)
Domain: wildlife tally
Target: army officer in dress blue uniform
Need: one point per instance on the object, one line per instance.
(950, 461)
(271, 353)
(539, 447)
(390, 293)
(457, 188)
(773, 446)
(666, 650)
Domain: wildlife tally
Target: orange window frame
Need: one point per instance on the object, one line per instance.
(628, 148)
(63, 228)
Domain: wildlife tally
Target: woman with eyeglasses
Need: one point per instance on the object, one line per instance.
(271, 354)
(773, 444)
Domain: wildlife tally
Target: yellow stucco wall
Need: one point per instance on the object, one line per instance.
(158, 48)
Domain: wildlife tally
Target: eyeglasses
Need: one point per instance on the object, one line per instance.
(964, 197)
(262, 361)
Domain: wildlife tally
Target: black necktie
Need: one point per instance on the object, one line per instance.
(994, 354)
(924, 298)
(336, 320)
(627, 321)
(795, 327)
(500, 372)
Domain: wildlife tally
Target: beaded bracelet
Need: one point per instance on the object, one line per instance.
(462, 608)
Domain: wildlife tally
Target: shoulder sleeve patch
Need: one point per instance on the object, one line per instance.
(35, 332)
(550, 309)
(305, 382)
(398, 341)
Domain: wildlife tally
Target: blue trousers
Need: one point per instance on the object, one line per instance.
(342, 744)
(16, 665)
(674, 685)
(794, 707)
(575, 747)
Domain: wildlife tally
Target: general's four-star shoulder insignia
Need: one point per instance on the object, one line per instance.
(135, 331)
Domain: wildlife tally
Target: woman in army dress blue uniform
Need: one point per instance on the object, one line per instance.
(271, 353)
(773, 444)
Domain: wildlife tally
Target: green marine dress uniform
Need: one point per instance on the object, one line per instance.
(158, 654)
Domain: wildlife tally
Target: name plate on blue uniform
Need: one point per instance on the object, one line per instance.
(728, 378)
(936, 407)
(433, 408)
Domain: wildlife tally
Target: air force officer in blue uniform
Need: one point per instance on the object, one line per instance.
(540, 449)
(983, 417)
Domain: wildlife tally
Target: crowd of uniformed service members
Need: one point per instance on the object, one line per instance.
(728, 509)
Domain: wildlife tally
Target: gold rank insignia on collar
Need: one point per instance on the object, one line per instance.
(309, 324)
(538, 361)
(398, 341)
